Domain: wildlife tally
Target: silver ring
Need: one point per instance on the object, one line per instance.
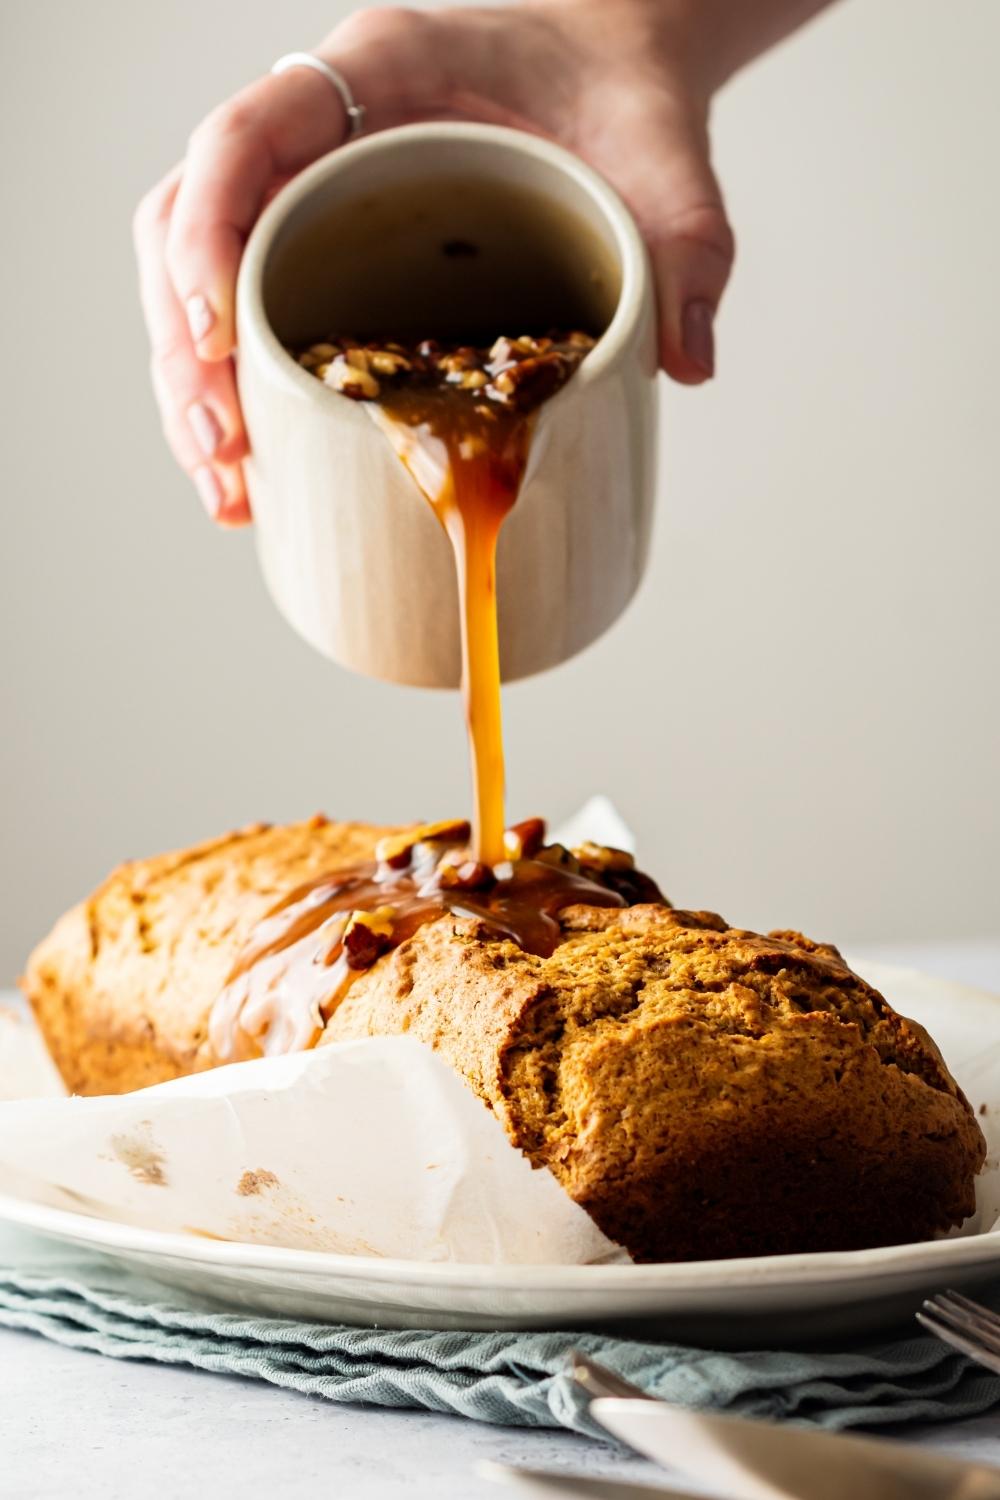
(355, 112)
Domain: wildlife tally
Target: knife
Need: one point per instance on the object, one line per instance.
(752, 1460)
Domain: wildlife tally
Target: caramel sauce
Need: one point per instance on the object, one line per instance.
(461, 420)
(306, 952)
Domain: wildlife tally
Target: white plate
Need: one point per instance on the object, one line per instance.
(763, 1300)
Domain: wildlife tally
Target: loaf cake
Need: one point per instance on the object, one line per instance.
(700, 1090)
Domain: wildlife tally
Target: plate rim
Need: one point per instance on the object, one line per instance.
(108, 1236)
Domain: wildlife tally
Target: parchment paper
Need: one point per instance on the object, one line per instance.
(372, 1147)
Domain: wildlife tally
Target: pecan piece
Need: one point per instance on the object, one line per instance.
(531, 381)
(367, 935)
(600, 857)
(523, 840)
(560, 856)
(346, 375)
(464, 875)
(396, 849)
(388, 362)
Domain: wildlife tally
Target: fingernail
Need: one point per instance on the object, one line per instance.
(205, 426)
(206, 482)
(699, 336)
(199, 315)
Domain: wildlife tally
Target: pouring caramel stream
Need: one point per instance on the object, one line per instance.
(469, 462)
(460, 418)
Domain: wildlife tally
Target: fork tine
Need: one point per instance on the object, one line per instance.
(976, 1309)
(967, 1317)
(964, 1343)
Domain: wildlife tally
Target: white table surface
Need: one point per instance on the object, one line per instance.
(73, 1423)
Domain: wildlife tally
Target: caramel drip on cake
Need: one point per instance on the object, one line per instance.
(305, 953)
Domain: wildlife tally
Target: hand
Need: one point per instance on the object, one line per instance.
(624, 83)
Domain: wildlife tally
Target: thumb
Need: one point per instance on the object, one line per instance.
(675, 197)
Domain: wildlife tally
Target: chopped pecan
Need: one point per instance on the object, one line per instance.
(615, 868)
(350, 379)
(599, 857)
(389, 362)
(367, 935)
(464, 875)
(396, 849)
(532, 381)
(523, 840)
(513, 373)
(560, 856)
(458, 361)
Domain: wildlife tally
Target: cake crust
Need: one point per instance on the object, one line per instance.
(123, 985)
(702, 1091)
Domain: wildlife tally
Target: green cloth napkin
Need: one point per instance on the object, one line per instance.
(89, 1302)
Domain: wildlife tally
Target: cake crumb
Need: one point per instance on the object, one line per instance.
(140, 1155)
(252, 1183)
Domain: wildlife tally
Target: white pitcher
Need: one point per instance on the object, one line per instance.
(438, 231)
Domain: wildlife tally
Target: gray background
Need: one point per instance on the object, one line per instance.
(800, 712)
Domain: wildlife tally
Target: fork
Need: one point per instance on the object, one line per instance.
(965, 1325)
